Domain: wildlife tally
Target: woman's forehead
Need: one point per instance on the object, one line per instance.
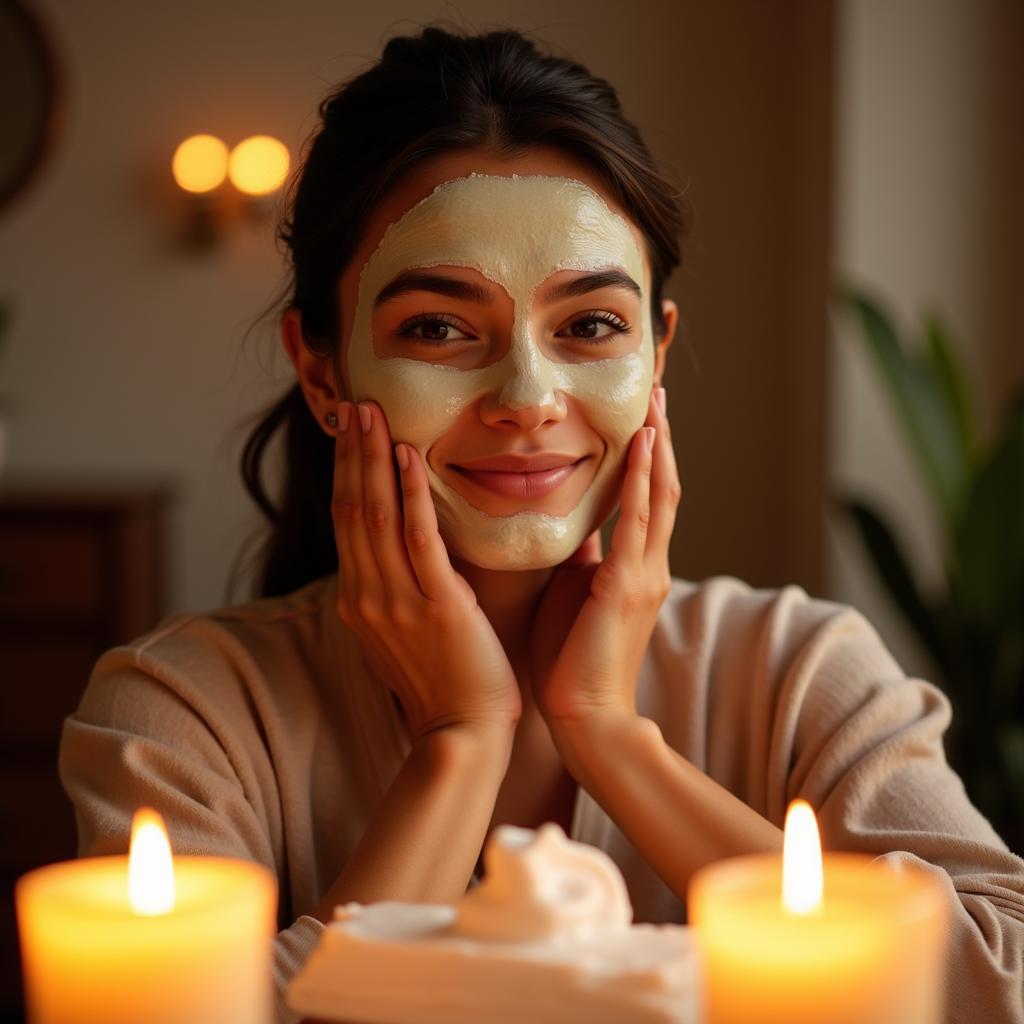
(515, 230)
(556, 204)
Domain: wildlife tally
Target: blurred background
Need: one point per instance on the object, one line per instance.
(822, 144)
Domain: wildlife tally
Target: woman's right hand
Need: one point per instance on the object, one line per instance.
(416, 618)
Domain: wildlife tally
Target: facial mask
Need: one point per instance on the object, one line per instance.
(516, 231)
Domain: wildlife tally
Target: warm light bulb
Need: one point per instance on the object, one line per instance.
(801, 860)
(259, 165)
(200, 163)
(150, 868)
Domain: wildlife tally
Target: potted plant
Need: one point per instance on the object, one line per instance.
(974, 627)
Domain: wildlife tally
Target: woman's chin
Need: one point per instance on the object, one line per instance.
(520, 535)
(516, 543)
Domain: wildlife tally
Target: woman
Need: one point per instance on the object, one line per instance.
(479, 241)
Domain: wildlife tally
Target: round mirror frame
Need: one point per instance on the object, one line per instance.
(26, 23)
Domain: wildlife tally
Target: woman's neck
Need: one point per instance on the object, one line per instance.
(509, 600)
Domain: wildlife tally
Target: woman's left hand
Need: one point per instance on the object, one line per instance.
(596, 615)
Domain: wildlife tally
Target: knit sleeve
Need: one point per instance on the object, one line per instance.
(868, 755)
(147, 734)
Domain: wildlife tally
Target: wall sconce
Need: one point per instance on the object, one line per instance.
(256, 167)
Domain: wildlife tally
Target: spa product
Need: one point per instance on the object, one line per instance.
(516, 231)
(545, 937)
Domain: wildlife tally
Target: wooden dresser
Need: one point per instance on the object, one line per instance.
(81, 569)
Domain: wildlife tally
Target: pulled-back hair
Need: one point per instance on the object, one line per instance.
(429, 94)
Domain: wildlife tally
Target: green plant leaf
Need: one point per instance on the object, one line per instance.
(989, 579)
(892, 567)
(951, 379)
(920, 402)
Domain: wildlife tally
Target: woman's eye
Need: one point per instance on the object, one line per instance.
(596, 327)
(434, 328)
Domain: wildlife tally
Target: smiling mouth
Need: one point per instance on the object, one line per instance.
(520, 483)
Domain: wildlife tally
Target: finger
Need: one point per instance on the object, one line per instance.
(362, 574)
(426, 550)
(665, 489)
(381, 510)
(629, 538)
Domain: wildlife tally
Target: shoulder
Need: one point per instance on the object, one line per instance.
(229, 631)
(755, 684)
(748, 658)
(226, 658)
(724, 615)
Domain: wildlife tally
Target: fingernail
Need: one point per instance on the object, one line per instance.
(659, 397)
(402, 454)
(649, 438)
(344, 411)
(364, 417)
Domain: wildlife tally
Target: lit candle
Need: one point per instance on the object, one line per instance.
(120, 940)
(795, 940)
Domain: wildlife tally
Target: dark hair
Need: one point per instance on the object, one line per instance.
(429, 94)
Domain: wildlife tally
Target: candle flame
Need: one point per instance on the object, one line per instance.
(150, 867)
(801, 860)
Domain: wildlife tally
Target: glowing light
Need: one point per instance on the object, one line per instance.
(259, 165)
(150, 868)
(801, 861)
(200, 163)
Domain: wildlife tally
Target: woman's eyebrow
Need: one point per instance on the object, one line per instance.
(612, 278)
(419, 281)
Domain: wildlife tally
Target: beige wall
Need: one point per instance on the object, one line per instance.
(926, 204)
(126, 357)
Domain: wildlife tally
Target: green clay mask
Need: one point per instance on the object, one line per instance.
(516, 231)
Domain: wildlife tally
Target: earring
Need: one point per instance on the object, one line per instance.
(332, 420)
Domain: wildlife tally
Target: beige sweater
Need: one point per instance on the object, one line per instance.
(258, 732)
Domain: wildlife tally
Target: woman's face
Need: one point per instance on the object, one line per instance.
(498, 310)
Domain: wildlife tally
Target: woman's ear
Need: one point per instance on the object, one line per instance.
(670, 314)
(315, 373)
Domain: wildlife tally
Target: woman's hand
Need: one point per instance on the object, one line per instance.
(596, 616)
(417, 619)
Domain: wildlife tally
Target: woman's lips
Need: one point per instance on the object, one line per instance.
(520, 483)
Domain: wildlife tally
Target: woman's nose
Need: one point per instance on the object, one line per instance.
(528, 396)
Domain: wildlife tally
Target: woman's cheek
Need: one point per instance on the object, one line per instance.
(421, 401)
(613, 394)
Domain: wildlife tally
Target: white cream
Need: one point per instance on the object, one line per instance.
(544, 938)
(542, 886)
(516, 231)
